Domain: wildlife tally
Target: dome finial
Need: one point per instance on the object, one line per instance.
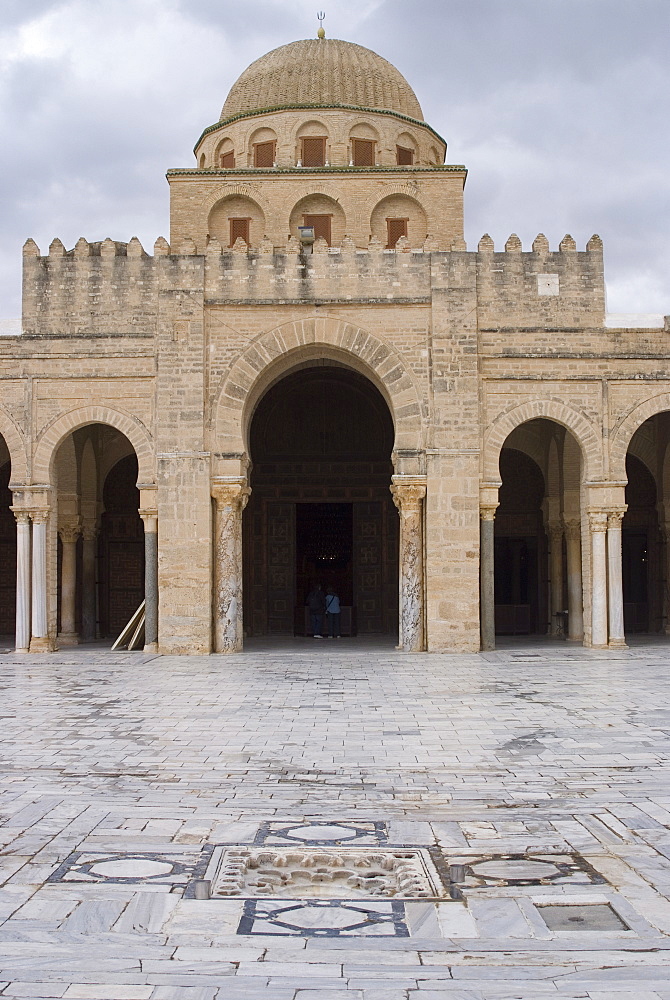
(321, 33)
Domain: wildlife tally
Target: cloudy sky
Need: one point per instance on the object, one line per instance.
(559, 108)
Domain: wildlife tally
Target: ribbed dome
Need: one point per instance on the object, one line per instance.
(321, 71)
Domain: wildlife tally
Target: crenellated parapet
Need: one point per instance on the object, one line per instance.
(343, 274)
(109, 288)
(105, 288)
(520, 290)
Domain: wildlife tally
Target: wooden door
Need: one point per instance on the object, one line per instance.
(368, 566)
(281, 566)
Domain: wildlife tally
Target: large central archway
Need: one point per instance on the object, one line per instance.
(320, 507)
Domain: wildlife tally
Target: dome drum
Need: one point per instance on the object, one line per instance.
(339, 126)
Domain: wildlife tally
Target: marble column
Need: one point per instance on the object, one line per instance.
(556, 574)
(39, 641)
(23, 573)
(487, 611)
(231, 498)
(615, 579)
(150, 519)
(598, 532)
(88, 582)
(573, 542)
(408, 497)
(69, 533)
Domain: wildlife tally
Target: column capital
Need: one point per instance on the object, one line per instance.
(89, 530)
(572, 527)
(21, 514)
(597, 520)
(487, 511)
(149, 517)
(230, 491)
(408, 492)
(615, 517)
(40, 516)
(69, 531)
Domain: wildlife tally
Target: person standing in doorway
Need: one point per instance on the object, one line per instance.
(333, 613)
(316, 602)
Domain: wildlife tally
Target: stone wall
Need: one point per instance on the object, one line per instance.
(175, 349)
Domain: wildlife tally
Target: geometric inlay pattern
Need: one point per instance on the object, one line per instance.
(539, 869)
(123, 869)
(313, 832)
(324, 918)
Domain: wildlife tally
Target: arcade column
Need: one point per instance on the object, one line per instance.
(487, 611)
(408, 496)
(231, 496)
(573, 547)
(39, 639)
(598, 533)
(23, 574)
(150, 520)
(617, 637)
(69, 533)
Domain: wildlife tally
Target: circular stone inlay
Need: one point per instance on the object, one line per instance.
(311, 918)
(516, 869)
(320, 832)
(131, 868)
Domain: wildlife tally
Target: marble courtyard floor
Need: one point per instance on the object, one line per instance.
(367, 824)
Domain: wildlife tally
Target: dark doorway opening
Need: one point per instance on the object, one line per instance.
(121, 548)
(324, 541)
(641, 551)
(7, 555)
(520, 548)
(320, 508)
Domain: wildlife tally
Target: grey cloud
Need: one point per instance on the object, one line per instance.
(559, 110)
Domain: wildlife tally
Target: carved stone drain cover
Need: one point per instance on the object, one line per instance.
(322, 873)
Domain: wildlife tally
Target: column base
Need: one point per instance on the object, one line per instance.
(21, 649)
(68, 639)
(151, 647)
(617, 644)
(41, 644)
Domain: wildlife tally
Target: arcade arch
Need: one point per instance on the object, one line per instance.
(99, 547)
(320, 509)
(531, 536)
(646, 527)
(309, 341)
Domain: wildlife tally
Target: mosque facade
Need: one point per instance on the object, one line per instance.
(315, 380)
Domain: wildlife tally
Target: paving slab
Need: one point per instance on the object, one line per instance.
(539, 769)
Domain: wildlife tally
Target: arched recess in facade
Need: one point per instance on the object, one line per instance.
(536, 542)
(83, 541)
(640, 457)
(267, 360)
